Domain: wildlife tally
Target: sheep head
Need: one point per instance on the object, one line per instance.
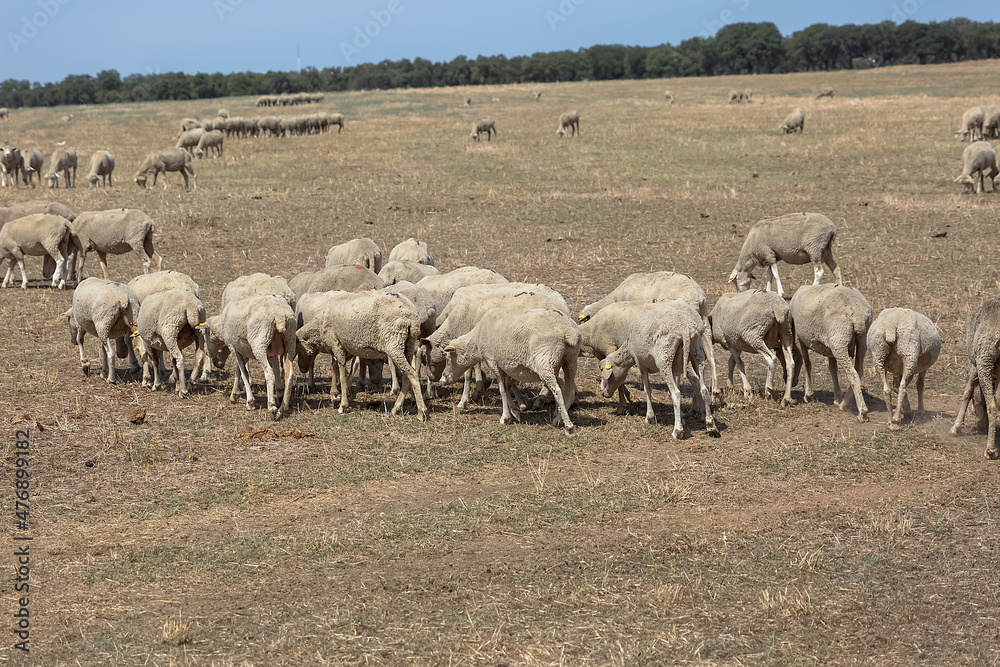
(614, 371)
(140, 180)
(741, 279)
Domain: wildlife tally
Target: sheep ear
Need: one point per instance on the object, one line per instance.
(731, 278)
(450, 348)
(606, 372)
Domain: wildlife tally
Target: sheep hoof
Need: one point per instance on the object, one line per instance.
(570, 431)
(713, 431)
(651, 419)
(956, 429)
(249, 406)
(506, 420)
(422, 415)
(677, 433)
(787, 402)
(993, 454)
(806, 398)
(894, 426)
(341, 410)
(184, 394)
(85, 367)
(273, 413)
(863, 417)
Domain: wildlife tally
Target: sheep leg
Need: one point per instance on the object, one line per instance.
(920, 394)
(839, 397)
(736, 357)
(237, 378)
(108, 361)
(707, 345)
(505, 417)
(395, 389)
(562, 417)
(345, 385)
(773, 269)
(789, 359)
(157, 358)
(623, 400)
(178, 359)
(648, 387)
(817, 272)
(970, 387)
(696, 377)
(984, 367)
(102, 257)
(84, 364)
(10, 273)
(807, 363)
(58, 279)
(286, 397)
(480, 391)
(334, 380)
(398, 360)
(771, 359)
(466, 391)
(243, 367)
(732, 365)
(24, 276)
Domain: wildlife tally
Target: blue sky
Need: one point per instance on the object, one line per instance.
(45, 40)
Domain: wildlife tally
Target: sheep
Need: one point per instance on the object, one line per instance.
(794, 122)
(977, 158)
(222, 113)
(746, 96)
(336, 119)
(63, 159)
(971, 128)
(33, 165)
(362, 252)
(662, 286)
(486, 125)
(569, 122)
(825, 91)
(257, 284)
(167, 159)
(426, 309)
(366, 325)
(116, 232)
(107, 310)
(538, 96)
(212, 140)
(991, 121)
(754, 321)
(11, 162)
(189, 139)
(413, 250)
(343, 278)
(668, 97)
(904, 343)
(662, 340)
(261, 327)
(442, 287)
(4, 113)
(169, 321)
(468, 101)
(833, 320)
(19, 210)
(795, 238)
(608, 329)
(102, 163)
(36, 234)
(397, 270)
(734, 97)
(982, 344)
(162, 281)
(521, 345)
(188, 124)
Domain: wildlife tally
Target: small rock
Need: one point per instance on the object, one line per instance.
(138, 416)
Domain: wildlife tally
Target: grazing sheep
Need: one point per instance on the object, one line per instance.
(662, 340)
(746, 96)
(982, 343)
(211, 139)
(825, 91)
(521, 345)
(971, 128)
(991, 121)
(795, 238)
(162, 281)
(222, 113)
(15, 211)
(426, 309)
(669, 97)
(263, 328)
(33, 165)
(366, 325)
(104, 309)
(362, 252)
(754, 321)
(102, 163)
(169, 321)
(608, 329)
(11, 162)
(167, 159)
(442, 287)
(833, 320)
(340, 278)
(188, 124)
(468, 101)
(904, 343)
(662, 286)
(794, 122)
(735, 97)
(977, 158)
(63, 159)
(37, 234)
(486, 125)
(412, 250)
(189, 139)
(257, 284)
(336, 119)
(116, 232)
(538, 96)
(397, 270)
(569, 122)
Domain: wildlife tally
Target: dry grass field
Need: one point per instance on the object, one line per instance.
(208, 535)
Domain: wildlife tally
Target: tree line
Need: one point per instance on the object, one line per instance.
(737, 48)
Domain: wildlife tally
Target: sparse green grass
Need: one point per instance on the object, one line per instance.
(800, 537)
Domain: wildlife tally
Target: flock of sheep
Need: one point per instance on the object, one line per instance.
(979, 159)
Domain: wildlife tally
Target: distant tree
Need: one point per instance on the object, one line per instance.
(749, 48)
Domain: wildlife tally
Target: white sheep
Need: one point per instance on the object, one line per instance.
(366, 325)
(662, 286)
(904, 343)
(442, 287)
(38, 234)
(211, 139)
(168, 322)
(735, 97)
(982, 344)
(521, 345)
(188, 124)
(487, 125)
(795, 238)
(62, 160)
(11, 163)
(668, 97)
(971, 128)
(569, 123)
(161, 281)
(758, 322)
(794, 122)
(398, 270)
(825, 91)
(991, 121)
(412, 250)
(162, 161)
(263, 328)
(977, 159)
(363, 252)
(21, 209)
(833, 320)
(662, 340)
(102, 163)
(107, 310)
(33, 165)
(116, 231)
(423, 301)
(257, 284)
(343, 278)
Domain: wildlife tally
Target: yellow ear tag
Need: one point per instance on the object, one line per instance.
(607, 367)
(450, 348)
(732, 277)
